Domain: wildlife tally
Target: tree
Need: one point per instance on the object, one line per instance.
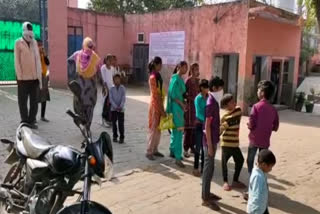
(24, 10)
(311, 11)
(139, 6)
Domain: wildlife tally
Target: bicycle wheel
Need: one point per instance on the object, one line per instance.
(94, 208)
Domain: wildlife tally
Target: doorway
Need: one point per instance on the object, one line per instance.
(140, 62)
(282, 71)
(275, 78)
(226, 67)
(75, 38)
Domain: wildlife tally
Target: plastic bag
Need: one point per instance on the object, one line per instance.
(166, 122)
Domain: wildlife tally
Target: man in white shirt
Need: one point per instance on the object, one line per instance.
(107, 72)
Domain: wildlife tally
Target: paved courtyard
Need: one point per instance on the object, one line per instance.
(141, 186)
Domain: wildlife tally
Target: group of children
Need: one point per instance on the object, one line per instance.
(114, 94)
(210, 129)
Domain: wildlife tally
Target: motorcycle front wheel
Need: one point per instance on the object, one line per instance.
(94, 208)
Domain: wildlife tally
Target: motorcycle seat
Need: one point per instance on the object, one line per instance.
(32, 145)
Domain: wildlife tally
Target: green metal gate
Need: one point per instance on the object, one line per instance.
(10, 31)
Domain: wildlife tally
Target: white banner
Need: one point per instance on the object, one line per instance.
(167, 45)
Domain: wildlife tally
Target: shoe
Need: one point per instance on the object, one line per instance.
(44, 119)
(180, 164)
(115, 140)
(211, 204)
(214, 197)
(196, 173)
(121, 141)
(150, 157)
(238, 185)
(158, 154)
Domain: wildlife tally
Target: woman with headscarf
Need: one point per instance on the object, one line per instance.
(176, 106)
(28, 72)
(192, 86)
(82, 67)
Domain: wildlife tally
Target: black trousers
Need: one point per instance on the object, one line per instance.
(117, 122)
(43, 109)
(227, 153)
(28, 90)
(106, 114)
(198, 147)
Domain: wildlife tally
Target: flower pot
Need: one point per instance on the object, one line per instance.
(309, 108)
(298, 107)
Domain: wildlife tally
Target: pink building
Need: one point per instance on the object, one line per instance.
(242, 42)
(72, 3)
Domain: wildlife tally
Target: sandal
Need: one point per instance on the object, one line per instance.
(227, 187)
(158, 154)
(238, 185)
(196, 173)
(180, 164)
(150, 157)
(212, 205)
(186, 154)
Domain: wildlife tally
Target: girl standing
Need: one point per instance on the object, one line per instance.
(177, 107)
(156, 109)
(192, 87)
(44, 94)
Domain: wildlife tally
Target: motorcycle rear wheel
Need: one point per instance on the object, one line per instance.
(94, 208)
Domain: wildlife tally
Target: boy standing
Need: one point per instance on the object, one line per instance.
(211, 139)
(263, 120)
(200, 107)
(229, 129)
(117, 100)
(107, 78)
(258, 187)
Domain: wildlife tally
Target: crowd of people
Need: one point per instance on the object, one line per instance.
(194, 105)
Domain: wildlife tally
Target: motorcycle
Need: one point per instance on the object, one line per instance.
(42, 176)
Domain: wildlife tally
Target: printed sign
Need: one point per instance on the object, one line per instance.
(167, 45)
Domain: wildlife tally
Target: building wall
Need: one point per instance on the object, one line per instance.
(57, 40)
(209, 30)
(273, 39)
(107, 31)
(204, 37)
(72, 3)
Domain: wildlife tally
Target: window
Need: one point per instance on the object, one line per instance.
(140, 37)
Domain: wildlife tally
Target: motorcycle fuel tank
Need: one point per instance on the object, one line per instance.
(63, 159)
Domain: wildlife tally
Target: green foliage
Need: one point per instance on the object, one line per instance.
(139, 6)
(22, 10)
(306, 50)
(310, 12)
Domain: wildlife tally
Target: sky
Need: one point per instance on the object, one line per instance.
(83, 3)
